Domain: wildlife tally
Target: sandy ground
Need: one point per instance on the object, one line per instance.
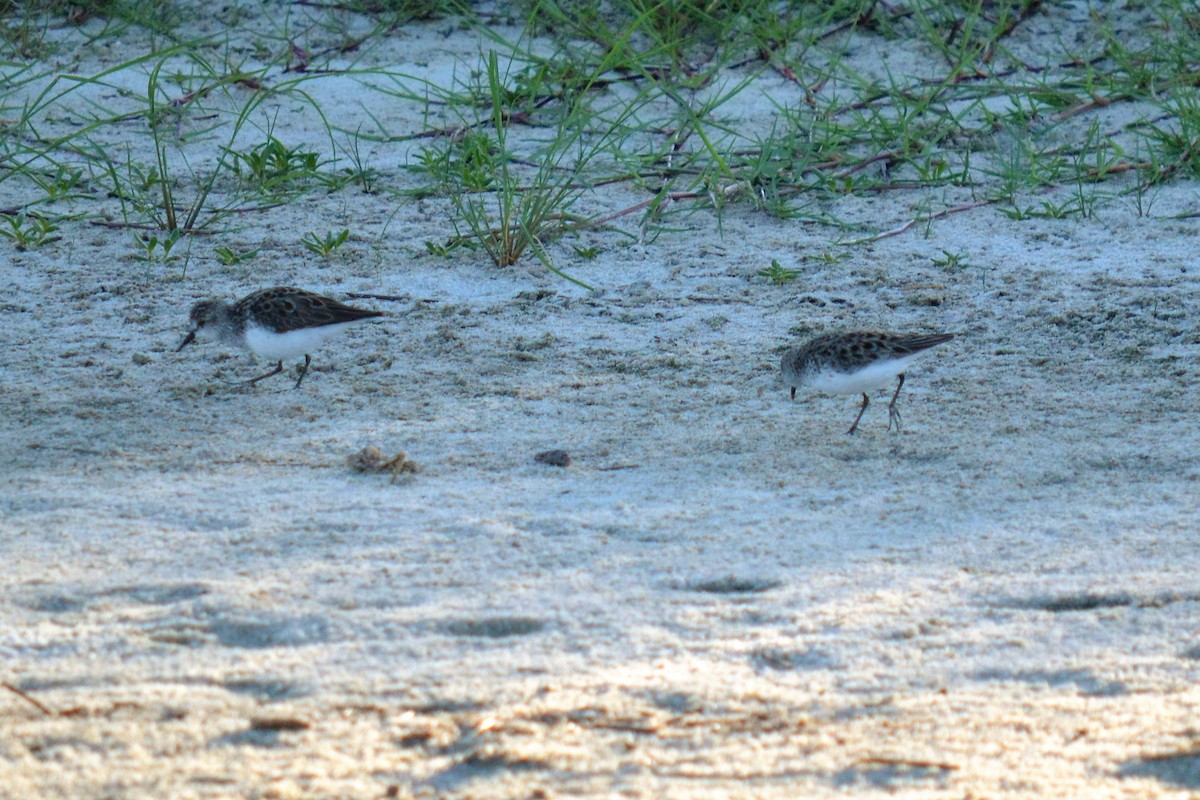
(722, 596)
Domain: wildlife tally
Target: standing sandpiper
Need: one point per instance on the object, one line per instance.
(276, 324)
(856, 362)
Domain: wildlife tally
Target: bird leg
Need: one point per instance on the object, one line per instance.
(866, 402)
(893, 412)
(278, 369)
(303, 370)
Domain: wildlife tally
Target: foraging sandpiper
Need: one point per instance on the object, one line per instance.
(856, 362)
(278, 323)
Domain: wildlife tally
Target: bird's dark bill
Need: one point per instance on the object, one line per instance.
(191, 337)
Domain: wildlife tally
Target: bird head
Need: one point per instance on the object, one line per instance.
(205, 314)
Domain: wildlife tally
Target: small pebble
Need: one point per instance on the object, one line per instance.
(554, 458)
(279, 724)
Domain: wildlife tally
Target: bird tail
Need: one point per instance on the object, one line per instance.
(915, 344)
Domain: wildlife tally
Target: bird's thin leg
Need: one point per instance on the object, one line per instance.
(866, 402)
(893, 412)
(278, 369)
(303, 370)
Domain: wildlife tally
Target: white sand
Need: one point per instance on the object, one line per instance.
(723, 595)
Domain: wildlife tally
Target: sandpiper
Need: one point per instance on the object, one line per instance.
(278, 323)
(856, 362)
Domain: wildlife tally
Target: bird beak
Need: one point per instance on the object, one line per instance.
(191, 337)
(793, 388)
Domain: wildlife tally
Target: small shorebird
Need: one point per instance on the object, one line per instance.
(856, 362)
(276, 324)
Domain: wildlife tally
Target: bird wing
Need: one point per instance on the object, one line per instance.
(297, 308)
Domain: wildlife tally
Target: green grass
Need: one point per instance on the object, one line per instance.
(777, 273)
(230, 257)
(623, 118)
(27, 231)
(272, 168)
(327, 245)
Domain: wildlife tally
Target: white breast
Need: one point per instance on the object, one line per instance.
(268, 344)
(864, 380)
